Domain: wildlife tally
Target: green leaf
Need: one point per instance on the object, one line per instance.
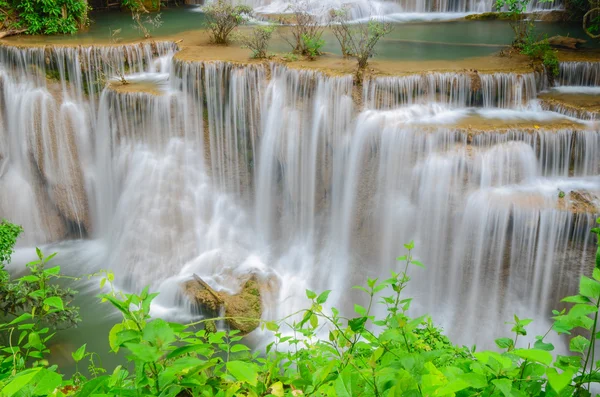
(20, 381)
(92, 387)
(272, 326)
(504, 385)
(314, 321)
(596, 274)
(541, 356)
(46, 382)
(575, 299)
(79, 354)
(53, 270)
(475, 380)
(579, 344)
(589, 288)
(504, 343)
(322, 298)
(239, 348)
(417, 263)
(559, 381)
(54, 301)
(344, 385)
(360, 310)
(310, 294)
(159, 333)
(541, 345)
(143, 352)
(243, 371)
(410, 245)
(357, 324)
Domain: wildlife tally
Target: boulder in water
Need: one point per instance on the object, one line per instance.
(243, 310)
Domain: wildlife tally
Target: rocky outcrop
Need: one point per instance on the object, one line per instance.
(242, 310)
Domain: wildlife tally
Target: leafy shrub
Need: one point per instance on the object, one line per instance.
(541, 51)
(223, 18)
(312, 45)
(306, 29)
(44, 17)
(357, 40)
(257, 40)
(364, 354)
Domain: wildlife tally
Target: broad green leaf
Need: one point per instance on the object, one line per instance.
(360, 310)
(46, 382)
(276, 389)
(243, 371)
(504, 385)
(93, 386)
(79, 354)
(589, 288)
(541, 356)
(53, 270)
(239, 348)
(344, 386)
(579, 344)
(541, 345)
(158, 333)
(54, 301)
(310, 294)
(504, 343)
(474, 380)
(559, 381)
(452, 387)
(322, 298)
(575, 299)
(144, 352)
(20, 381)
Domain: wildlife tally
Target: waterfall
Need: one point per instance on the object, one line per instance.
(579, 73)
(368, 8)
(303, 179)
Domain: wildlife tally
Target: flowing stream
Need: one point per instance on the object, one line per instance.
(303, 179)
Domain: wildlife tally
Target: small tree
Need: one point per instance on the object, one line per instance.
(223, 17)
(306, 30)
(338, 24)
(257, 40)
(516, 9)
(358, 40)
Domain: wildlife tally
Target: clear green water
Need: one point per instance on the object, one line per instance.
(451, 40)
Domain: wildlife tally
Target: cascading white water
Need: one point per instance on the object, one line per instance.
(579, 73)
(392, 9)
(227, 170)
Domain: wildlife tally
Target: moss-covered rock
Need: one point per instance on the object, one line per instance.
(242, 310)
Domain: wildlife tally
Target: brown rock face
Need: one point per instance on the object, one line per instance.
(243, 310)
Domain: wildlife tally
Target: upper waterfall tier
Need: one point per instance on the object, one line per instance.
(369, 8)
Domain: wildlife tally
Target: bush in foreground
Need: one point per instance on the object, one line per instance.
(363, 355)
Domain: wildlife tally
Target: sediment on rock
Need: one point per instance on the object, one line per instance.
(242, 311)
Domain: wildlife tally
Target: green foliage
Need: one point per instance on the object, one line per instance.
(223, 18)
(364, 354)
(44, 16)
(305, 30)
(312, 45)
(8, 238)
(257, 40)
(357, 40)
(541, 51)
(32, 308)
